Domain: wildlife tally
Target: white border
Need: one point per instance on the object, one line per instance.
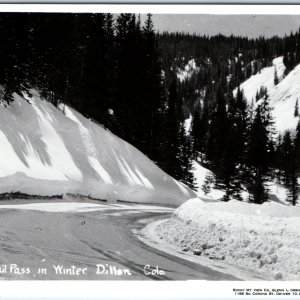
(142, 290)
(131, 290)
(156, 9)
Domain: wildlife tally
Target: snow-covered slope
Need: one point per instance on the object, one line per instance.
(200, 174)
(283, 96)
(44, 151)
(265, 78)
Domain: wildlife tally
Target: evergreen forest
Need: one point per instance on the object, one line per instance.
(123, 73)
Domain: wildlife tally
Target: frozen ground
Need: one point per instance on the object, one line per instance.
(47, 151)
(261, 240)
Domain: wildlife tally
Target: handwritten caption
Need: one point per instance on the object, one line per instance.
(62, 270)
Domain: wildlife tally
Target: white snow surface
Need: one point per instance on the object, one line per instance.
(200, 174)
(260, 239)
(264, 78)
(283, 96)
(77, 207)
(47, 152)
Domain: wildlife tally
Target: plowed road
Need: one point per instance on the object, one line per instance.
(86, 240)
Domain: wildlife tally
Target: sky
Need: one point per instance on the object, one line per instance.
(242, 25)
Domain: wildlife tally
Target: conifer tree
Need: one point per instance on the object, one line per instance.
(294, 163)
(217, 132)
(152, 84)
(289, 166)
(178, 148)
(233, 159)
(185, 159)
(287, 153)
(15, 54)
(172, 164)
(276, 79)
(198, 136)
(296, 112)
(208, 183)
(260, 150)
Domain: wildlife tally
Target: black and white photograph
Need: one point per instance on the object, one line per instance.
(140, 146)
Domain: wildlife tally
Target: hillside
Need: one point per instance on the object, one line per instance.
(46, 151)
(283, 96)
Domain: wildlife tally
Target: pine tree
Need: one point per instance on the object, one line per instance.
(178, 148)
(257, 96)
(257, 189)
(258, 158)
(198, 135)
(296, 112)
(208, 183)
(233, 158)
(268, 123)
(217, 132)
(294, 161)
(293, 189)
(152, 83)
(172, 164)
(279, 161)
(185, 159)
(289, 166)
(15, 54)
(129, 58)
(276, 79)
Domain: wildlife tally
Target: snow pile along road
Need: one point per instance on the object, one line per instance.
(263, 239)
(47, 151)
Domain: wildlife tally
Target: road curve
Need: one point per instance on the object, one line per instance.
(91, 244)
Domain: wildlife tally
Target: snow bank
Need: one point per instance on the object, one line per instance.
(283, 96)
(47, 152)
(263, 239)
(79, 207)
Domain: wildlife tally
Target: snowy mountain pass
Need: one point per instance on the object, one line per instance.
(87, 240)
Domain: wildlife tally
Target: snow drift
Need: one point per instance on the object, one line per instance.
(262, 239)
(46, 151)
(283, 96)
